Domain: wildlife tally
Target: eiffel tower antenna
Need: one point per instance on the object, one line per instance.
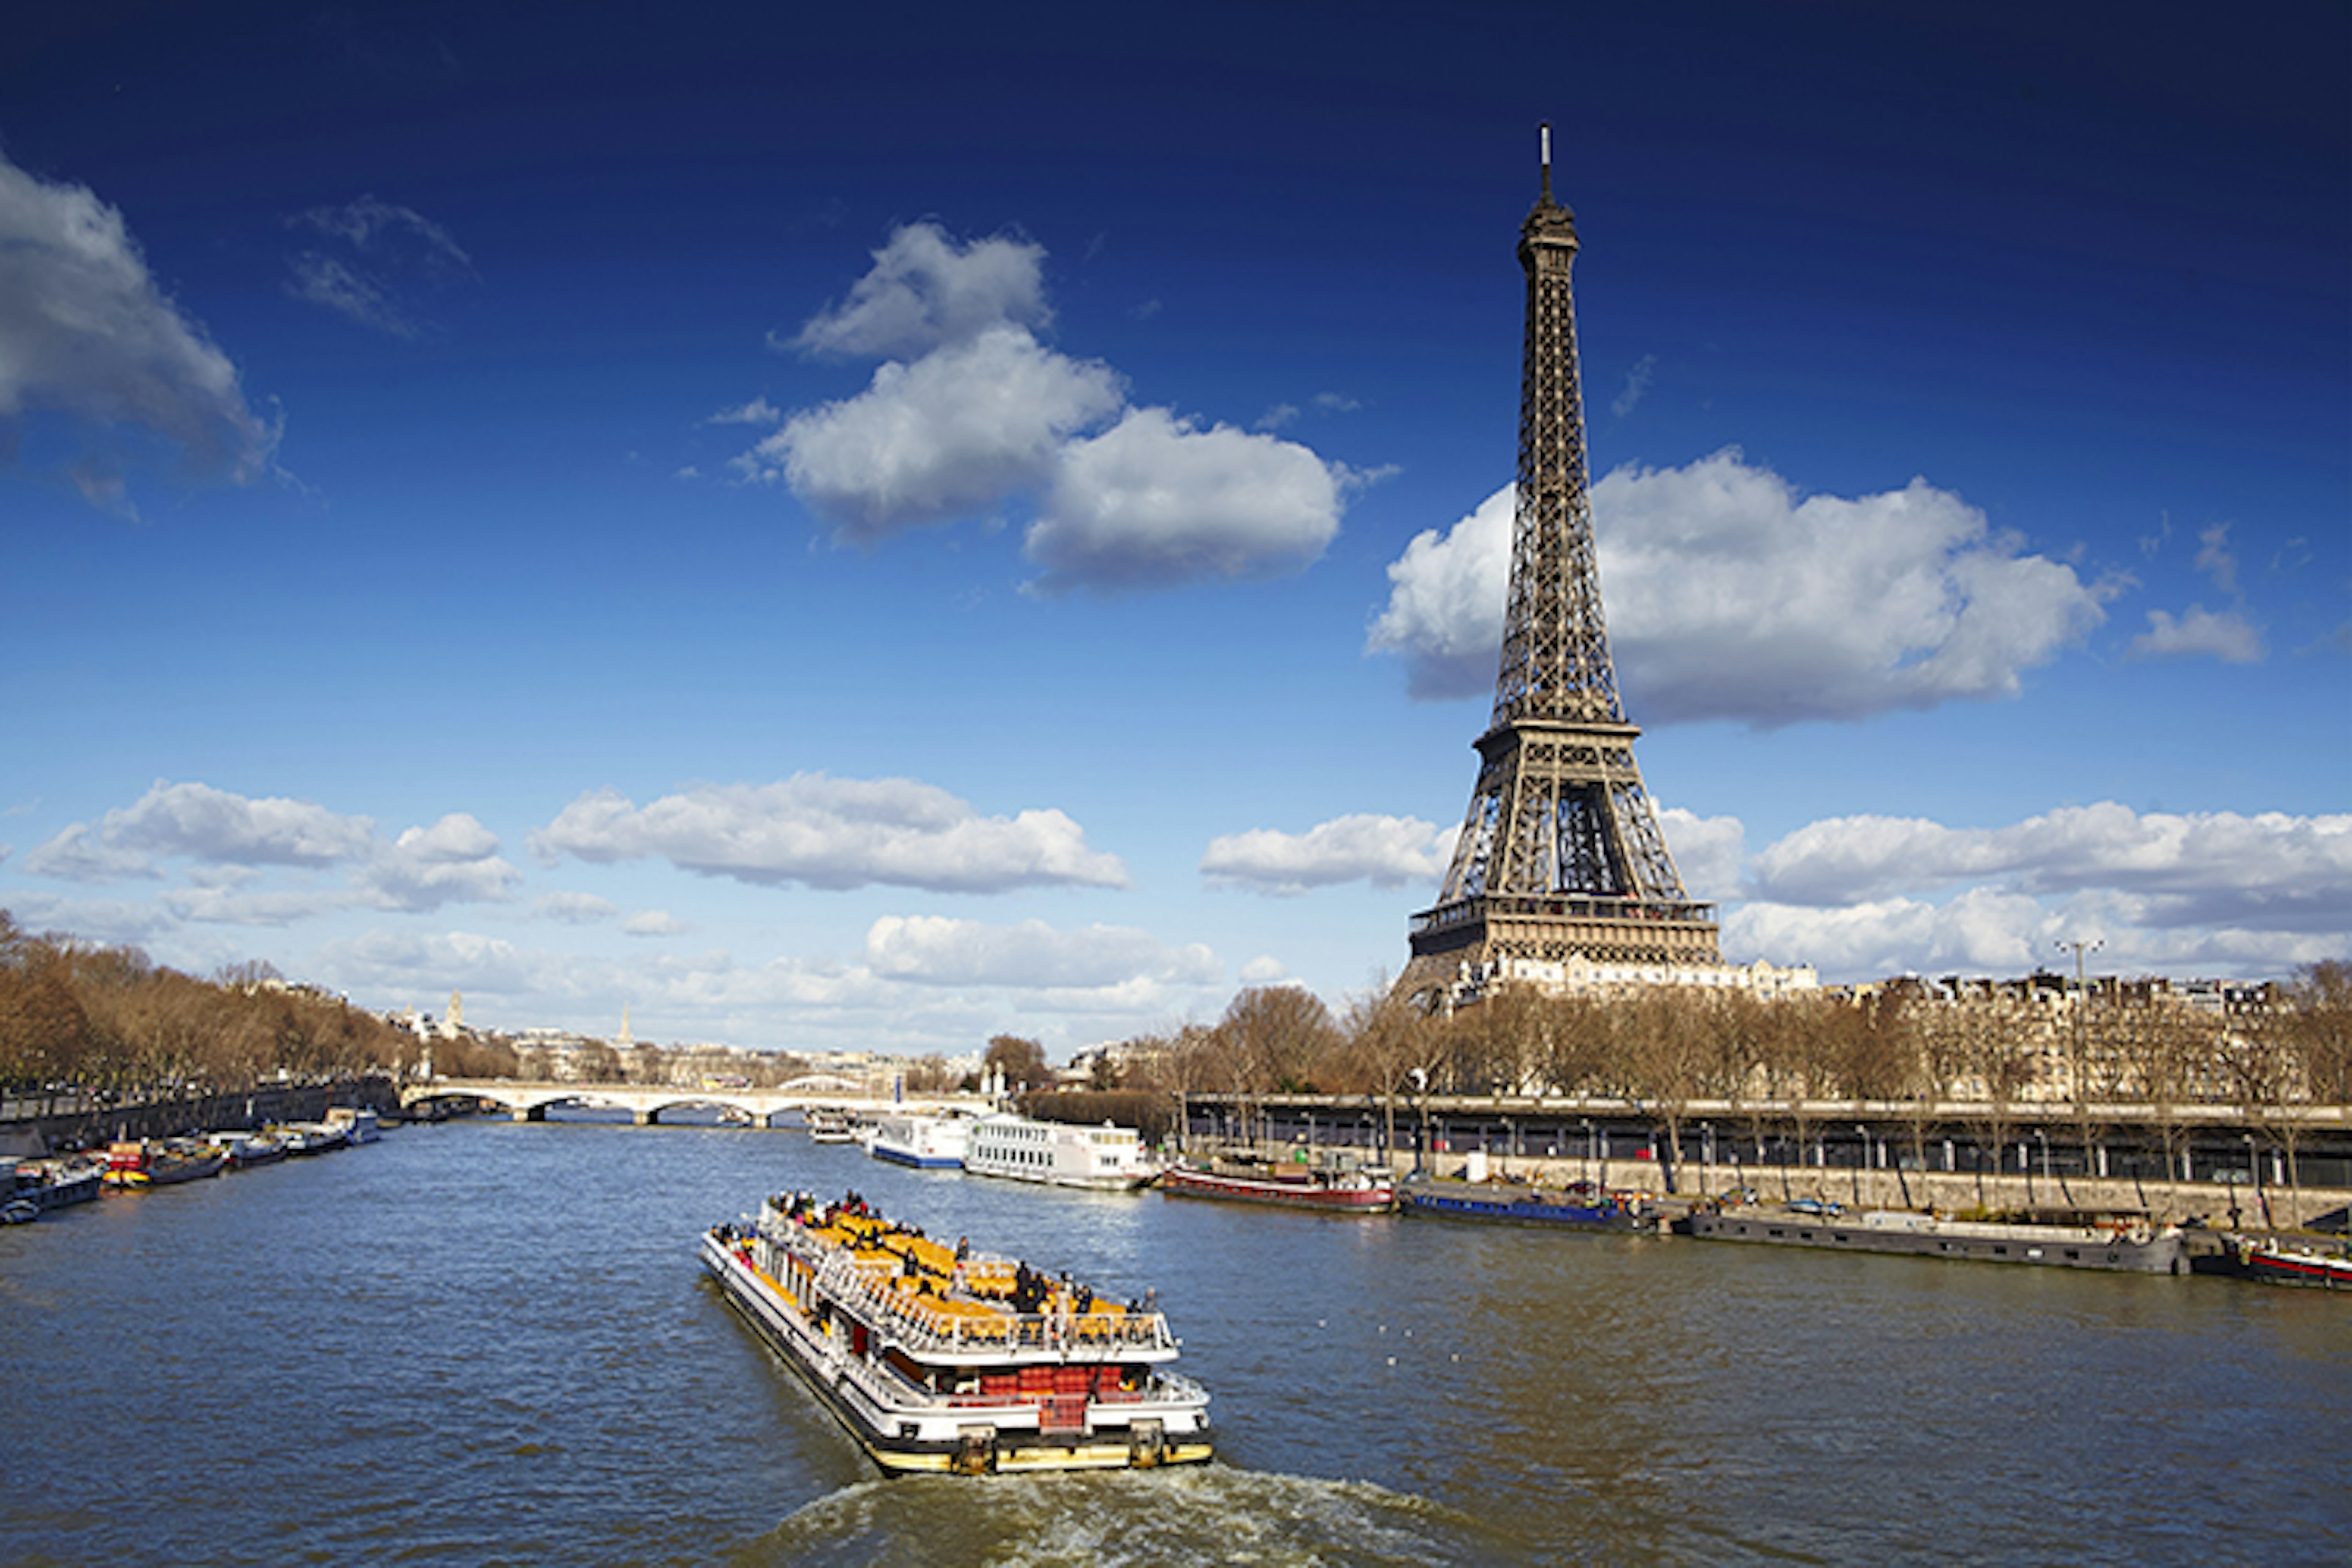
(1561, 854)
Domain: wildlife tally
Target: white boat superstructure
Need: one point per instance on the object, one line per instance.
(1061, 1154)
(926, 1142)
(360, 1122)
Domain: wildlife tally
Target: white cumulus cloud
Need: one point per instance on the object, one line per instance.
(932, 951)
(85, 330)
(950, 435)
(653, 923)
(1154, 502)
(197, 821)
(1730, 595)
(971, 410)
(575, 908)
(825, 832)
(2226, 635)
(1387, 851)
(1708, 851)
(926, 290)
(2266, 871)
(455, 860)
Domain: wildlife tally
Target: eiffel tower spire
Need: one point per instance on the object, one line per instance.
(1561, 854)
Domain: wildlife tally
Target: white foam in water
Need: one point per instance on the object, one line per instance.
(1132, 1519)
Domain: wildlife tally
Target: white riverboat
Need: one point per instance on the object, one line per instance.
(926, 1142)
(830, 1127)
(1107, 1158)
(939, 1360)
(358, 1122)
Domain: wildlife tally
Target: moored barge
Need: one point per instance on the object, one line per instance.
(939, 1360)
(139, 1163)
(2282, 1263)
(1342, 1188)
(2122, 1245)
(1580, 1207)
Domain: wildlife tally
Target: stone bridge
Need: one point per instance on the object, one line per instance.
(532, 1101)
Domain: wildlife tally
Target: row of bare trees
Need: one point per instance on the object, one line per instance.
(110, 1019)
(1664, 1049)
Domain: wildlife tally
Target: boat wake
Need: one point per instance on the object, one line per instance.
(1131, 1519)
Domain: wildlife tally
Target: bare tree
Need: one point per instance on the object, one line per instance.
(1020, 1058)
(1283, 1037)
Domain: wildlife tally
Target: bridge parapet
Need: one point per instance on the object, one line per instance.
(529, 1100)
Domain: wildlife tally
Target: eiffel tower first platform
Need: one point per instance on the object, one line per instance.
(1561, 858)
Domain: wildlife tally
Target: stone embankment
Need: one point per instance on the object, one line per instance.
(58, 1122)
(2267, 1206)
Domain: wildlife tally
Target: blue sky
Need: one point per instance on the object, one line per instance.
(843, 532)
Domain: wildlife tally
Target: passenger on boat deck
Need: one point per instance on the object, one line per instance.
(963, 1249)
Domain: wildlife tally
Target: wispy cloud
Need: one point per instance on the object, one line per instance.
(378, 257)
(1637, 383)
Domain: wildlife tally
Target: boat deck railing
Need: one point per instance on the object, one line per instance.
(957, 1321)
(934, 1325)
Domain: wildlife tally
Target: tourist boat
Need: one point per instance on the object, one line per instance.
(2279, 1263)
(830, 1127)
(1339, 1187)
(360, 1123)
(926, 1142)
(2124, 1243)
(967, 1364)
(147, 1164)
(1107, 1158)
(1579, 1207)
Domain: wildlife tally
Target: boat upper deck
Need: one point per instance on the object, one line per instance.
(942, 1306)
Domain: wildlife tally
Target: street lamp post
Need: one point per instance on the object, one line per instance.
(2078, 947)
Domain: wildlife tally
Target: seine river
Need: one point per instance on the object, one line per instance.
(485, 1342)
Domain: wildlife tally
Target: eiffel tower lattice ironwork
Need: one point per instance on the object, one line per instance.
(1560, 853)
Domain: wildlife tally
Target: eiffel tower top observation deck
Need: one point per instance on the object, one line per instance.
(1561, 854)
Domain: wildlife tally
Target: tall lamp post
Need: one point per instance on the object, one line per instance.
(2078, 947)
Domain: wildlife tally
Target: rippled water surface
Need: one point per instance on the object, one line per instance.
(485, 1342)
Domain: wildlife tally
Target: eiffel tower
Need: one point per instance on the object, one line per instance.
(1560, 853)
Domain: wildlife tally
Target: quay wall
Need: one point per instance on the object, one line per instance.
(1889, 1187)
(92, 1125)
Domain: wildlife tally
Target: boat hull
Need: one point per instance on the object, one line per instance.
(2295, 1268)
(909, 1157)
(1188, 1183)
(1522, 1211)
(2046, 1246)
(979, 1436)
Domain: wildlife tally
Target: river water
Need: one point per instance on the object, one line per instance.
(487, 1342)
